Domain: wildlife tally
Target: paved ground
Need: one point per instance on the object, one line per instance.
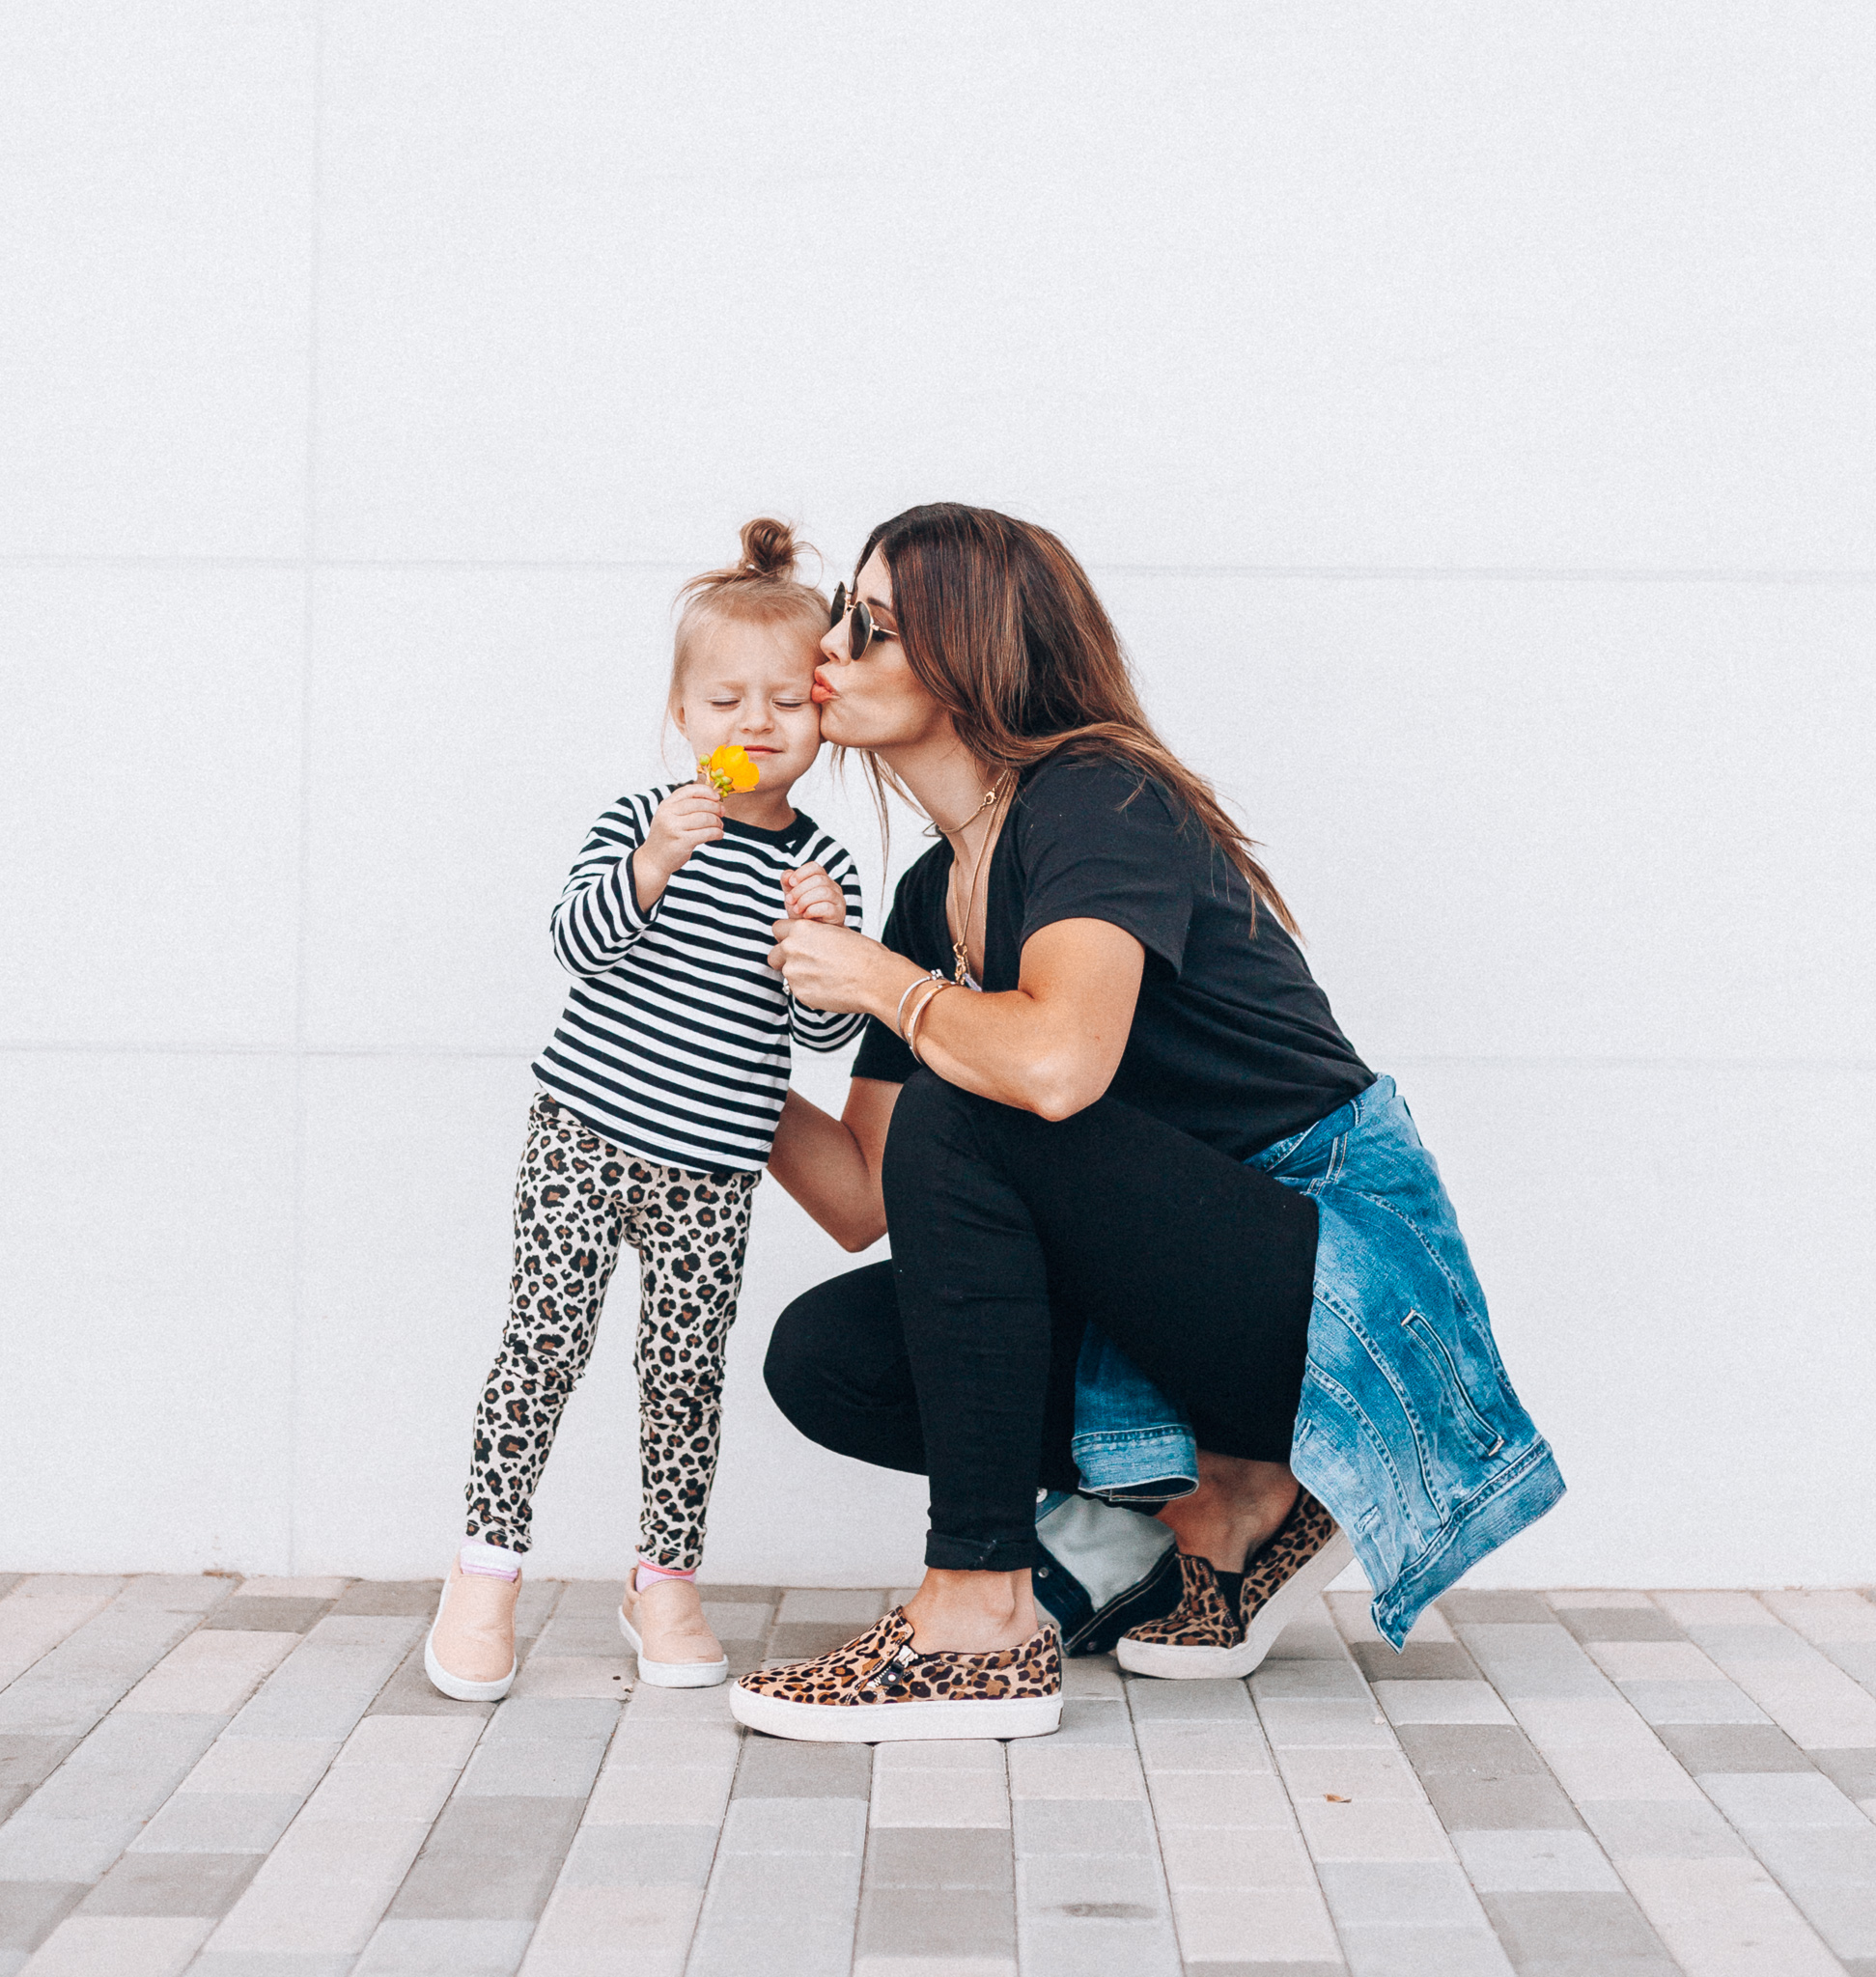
(254, 1780)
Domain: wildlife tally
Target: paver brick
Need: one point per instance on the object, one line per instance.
(1675, 1830)
(1643, 1623)
(778, 1767)
(489, 1860)
(1233, 1857)
(1440, 1702)
(939, 1857)
(1522, 1862)
(444, 1949)
(1081, 1825)
(1753, 1799)
(269, 1615)
(120, 1946)
(935, 1922)
(583, 1928)
(1427, 1661)
(796, 1827)
(145, 1883)
(405, 1598)
(640, 1856)
(1397, 1891)
(1388, 1949)
(30, 1910)
(219, 1822)
(1732, 1747)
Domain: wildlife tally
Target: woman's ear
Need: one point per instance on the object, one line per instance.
(676, 711)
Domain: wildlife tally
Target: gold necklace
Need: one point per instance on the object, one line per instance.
(960, 950)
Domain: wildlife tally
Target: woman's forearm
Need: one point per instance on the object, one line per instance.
(1051, 1045)
(831, 1166)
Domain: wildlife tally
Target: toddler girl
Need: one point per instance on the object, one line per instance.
(658, 1099)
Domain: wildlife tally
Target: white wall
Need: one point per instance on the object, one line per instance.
(1465, 408)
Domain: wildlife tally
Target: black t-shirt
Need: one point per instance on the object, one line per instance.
(1232, 1039)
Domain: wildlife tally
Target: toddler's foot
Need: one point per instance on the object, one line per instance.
(470, 1652)
(664, 1625)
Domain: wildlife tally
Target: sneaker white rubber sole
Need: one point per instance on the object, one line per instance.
(1189, 1664)
(1029, 1715)
(672, 1674)
(456, 1686)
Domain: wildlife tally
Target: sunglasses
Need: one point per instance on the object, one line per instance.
(864, 632)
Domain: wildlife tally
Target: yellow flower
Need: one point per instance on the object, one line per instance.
(728, 769)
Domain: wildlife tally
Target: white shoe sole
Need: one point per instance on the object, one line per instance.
(672, 1674)
(1033, 1715)
(456, 1686)
(1189, 1664)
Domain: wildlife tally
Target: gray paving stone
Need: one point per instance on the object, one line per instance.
(1523, 1660)
(1844, 1916)
(270, 1964)
(1693, 1702)
(1820, 1856)
(11, 1799)
(536, 1719)
(1397, 1891)
(939, 1857)
(1081, 1825)
(1428, 1662)
(1087, 1721)
(219, 1822)
(756, 1596)
(415, 1599)
(125, 1767)
(1463, 1609)
(488, 1860)
(8, 1580)
(791, 1915)
(1316, 1969)
(1098, 1946)
(172, 1885)
(1733, 1748)
(30, 1910)
(1189, 1702)
(1751, 1644)
(444, 1949)
(778, 1767)
(1589, 1928)
(28, 1761)
(62, 1848)
(1753, 1799)
(1852, 1771)
(409, 1692)
(1620, 1624)
(640, 1856)
(1387, 1949)
(935, 1922)
(1660, 1830)
(1105, 1888)
(264, 1614)
(801, 1640)
(1335, 1682)
(796, 1827)
(543, 1767)
(1499, 1804)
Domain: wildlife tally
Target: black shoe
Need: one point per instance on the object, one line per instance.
(1102, 1569)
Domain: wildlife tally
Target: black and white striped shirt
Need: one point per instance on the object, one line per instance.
(675, 1040)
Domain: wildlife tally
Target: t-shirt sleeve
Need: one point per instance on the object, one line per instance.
(882, 1055)
(1096, 843)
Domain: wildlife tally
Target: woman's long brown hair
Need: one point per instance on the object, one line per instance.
(1002, 627)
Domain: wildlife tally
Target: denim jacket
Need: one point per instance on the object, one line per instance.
(1408, 1430)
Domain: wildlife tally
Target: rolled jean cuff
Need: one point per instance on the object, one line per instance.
(980, 1554)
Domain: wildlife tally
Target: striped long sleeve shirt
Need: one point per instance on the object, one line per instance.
(676, 1037)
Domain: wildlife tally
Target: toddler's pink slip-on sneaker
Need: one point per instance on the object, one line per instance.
(670, 1613)
(1205, 1635)
(469, 1655)
(879, 1689)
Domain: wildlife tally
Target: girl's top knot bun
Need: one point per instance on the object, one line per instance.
(767, 547)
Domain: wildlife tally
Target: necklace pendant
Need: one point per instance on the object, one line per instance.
(962, 976)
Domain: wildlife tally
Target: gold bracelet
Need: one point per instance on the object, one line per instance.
(911, 1026)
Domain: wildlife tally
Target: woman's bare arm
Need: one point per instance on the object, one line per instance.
(831, 1166)
(1050, 1045)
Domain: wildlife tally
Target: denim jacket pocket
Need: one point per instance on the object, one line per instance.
(1465, 1409)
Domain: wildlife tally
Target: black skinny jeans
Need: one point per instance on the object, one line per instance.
(956, 1359)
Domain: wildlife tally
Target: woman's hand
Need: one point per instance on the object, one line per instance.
(836, 969)
(812, 895)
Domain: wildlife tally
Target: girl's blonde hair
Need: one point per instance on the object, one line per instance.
(762, 589)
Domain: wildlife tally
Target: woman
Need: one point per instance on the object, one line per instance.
(1100, 1089)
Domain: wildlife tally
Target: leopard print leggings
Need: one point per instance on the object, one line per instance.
(577, 1198)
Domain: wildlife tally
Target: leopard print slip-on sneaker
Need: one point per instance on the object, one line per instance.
(1202, 1636)
(876, 1689)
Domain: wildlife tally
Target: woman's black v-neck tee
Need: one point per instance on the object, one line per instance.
(1232, 1039)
